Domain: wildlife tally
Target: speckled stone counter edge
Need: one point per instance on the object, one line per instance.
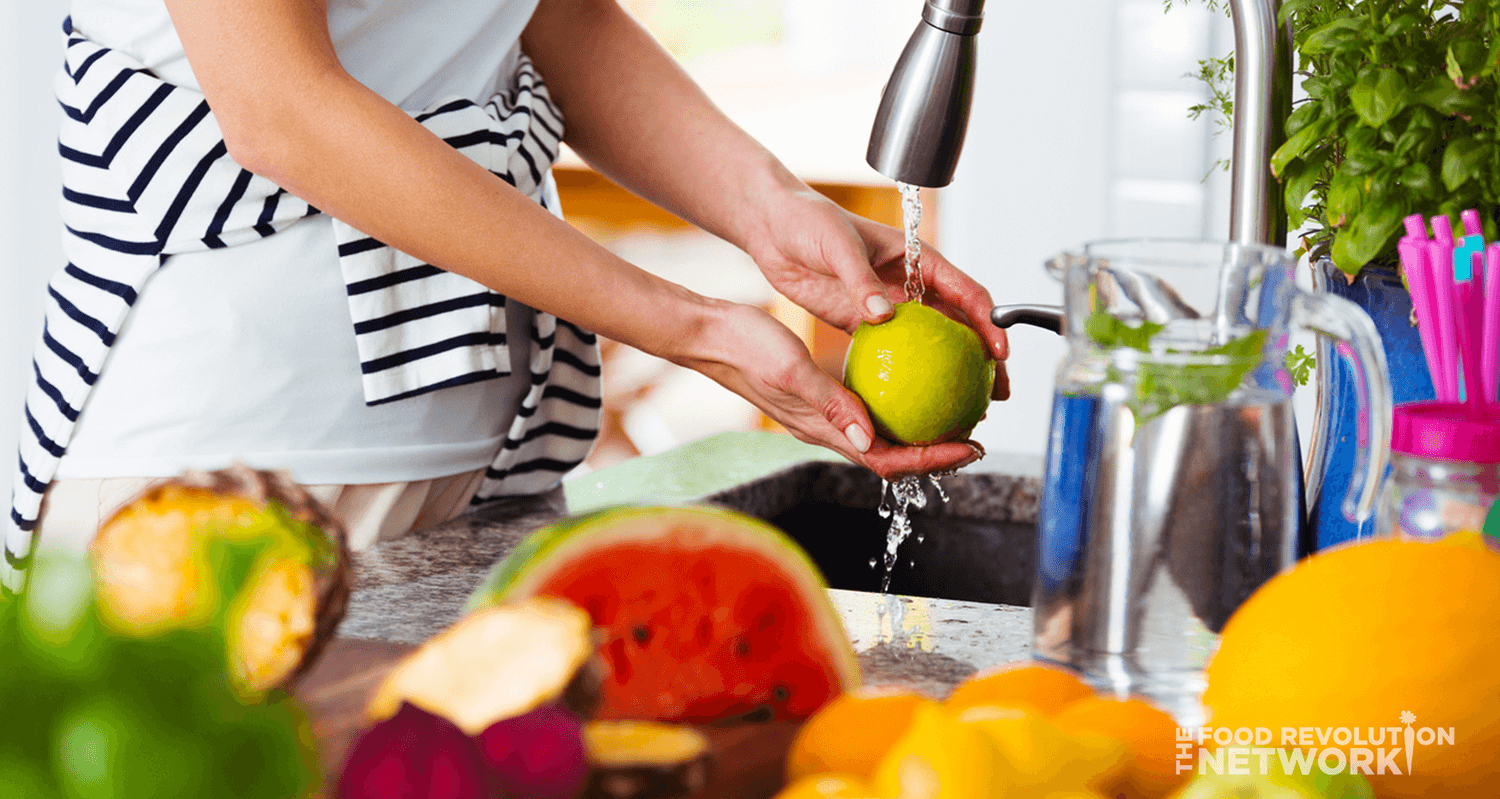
(411, 588)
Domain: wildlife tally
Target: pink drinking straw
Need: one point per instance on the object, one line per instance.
(1413, 252)
(1471, 223)
(1416, 228)
(1440, 275)
(1489, 355)
(1468, 322)
(1442, 232)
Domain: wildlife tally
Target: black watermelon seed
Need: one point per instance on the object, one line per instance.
(642, 634)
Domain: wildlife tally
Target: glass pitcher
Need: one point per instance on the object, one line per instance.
(1172, 485)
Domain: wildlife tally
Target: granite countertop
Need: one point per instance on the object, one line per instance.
(408, 589)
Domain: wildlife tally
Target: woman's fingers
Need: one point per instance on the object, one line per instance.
(1002, 382)
(894, 461)
(842, 410)
(952, 286)
(849, 261)
(947, 288)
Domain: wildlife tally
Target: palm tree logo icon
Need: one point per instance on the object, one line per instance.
(1408, 718)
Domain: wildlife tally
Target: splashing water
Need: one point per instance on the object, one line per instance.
(904, 495)
(911, 218)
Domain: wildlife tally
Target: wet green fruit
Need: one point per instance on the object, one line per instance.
(924, 377)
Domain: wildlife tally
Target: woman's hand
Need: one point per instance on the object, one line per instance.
(846, 269)
(744, 349)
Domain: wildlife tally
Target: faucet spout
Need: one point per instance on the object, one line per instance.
(924, 109)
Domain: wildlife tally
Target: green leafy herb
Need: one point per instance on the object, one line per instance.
(1159, 387)
(1218, 75)
(1112, 333)
(1401, 116)
(1300, 364)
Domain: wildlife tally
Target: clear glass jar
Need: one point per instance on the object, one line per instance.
(1428, 498)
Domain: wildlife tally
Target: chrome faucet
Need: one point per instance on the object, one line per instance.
(924, 109)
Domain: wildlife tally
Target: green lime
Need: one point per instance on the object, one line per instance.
(924, 377)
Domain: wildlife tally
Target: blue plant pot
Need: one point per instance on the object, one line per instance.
(1377, 290)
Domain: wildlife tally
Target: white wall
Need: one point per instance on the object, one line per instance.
(30, 52)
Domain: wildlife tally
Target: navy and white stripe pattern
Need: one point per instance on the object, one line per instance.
(146, 175)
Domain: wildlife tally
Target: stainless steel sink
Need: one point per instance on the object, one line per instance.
(980, 546)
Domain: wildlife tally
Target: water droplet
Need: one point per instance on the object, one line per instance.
(874, 562)
(933, 478)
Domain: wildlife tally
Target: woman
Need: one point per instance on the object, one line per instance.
(343, 148)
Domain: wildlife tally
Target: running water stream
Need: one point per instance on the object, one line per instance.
(911, 218)
(906, 493)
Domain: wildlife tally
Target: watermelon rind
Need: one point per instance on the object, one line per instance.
(531, 563)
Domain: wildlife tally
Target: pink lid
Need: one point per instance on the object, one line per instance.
(1448, 430)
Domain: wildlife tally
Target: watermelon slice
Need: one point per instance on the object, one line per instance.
(706, 614)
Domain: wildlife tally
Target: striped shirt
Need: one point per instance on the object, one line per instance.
(146, 175)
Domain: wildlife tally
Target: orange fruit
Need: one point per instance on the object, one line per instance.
(1369, 637)
(1031, 686)
(1149, 734)
(826, 786)
(851, 733)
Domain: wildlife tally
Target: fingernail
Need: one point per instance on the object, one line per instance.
(978, 453)
(879, 307)
(858, 437)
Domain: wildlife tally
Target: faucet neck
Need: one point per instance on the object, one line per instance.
(962, 17)
(1262, 101)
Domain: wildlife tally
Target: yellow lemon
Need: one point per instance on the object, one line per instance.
(1472, 539)
(924, 377)
(940, 758)
(1042, 757)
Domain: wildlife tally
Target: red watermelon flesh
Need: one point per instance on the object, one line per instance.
(704, 614)
(696, 636)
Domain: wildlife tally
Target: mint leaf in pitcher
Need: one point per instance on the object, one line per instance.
(1160, 387)
(1113, 333)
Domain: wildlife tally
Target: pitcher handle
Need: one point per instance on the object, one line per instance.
(1362, 349)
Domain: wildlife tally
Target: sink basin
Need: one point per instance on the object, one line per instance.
(980, 546)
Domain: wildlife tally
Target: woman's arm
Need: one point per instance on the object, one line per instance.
(290, 112)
